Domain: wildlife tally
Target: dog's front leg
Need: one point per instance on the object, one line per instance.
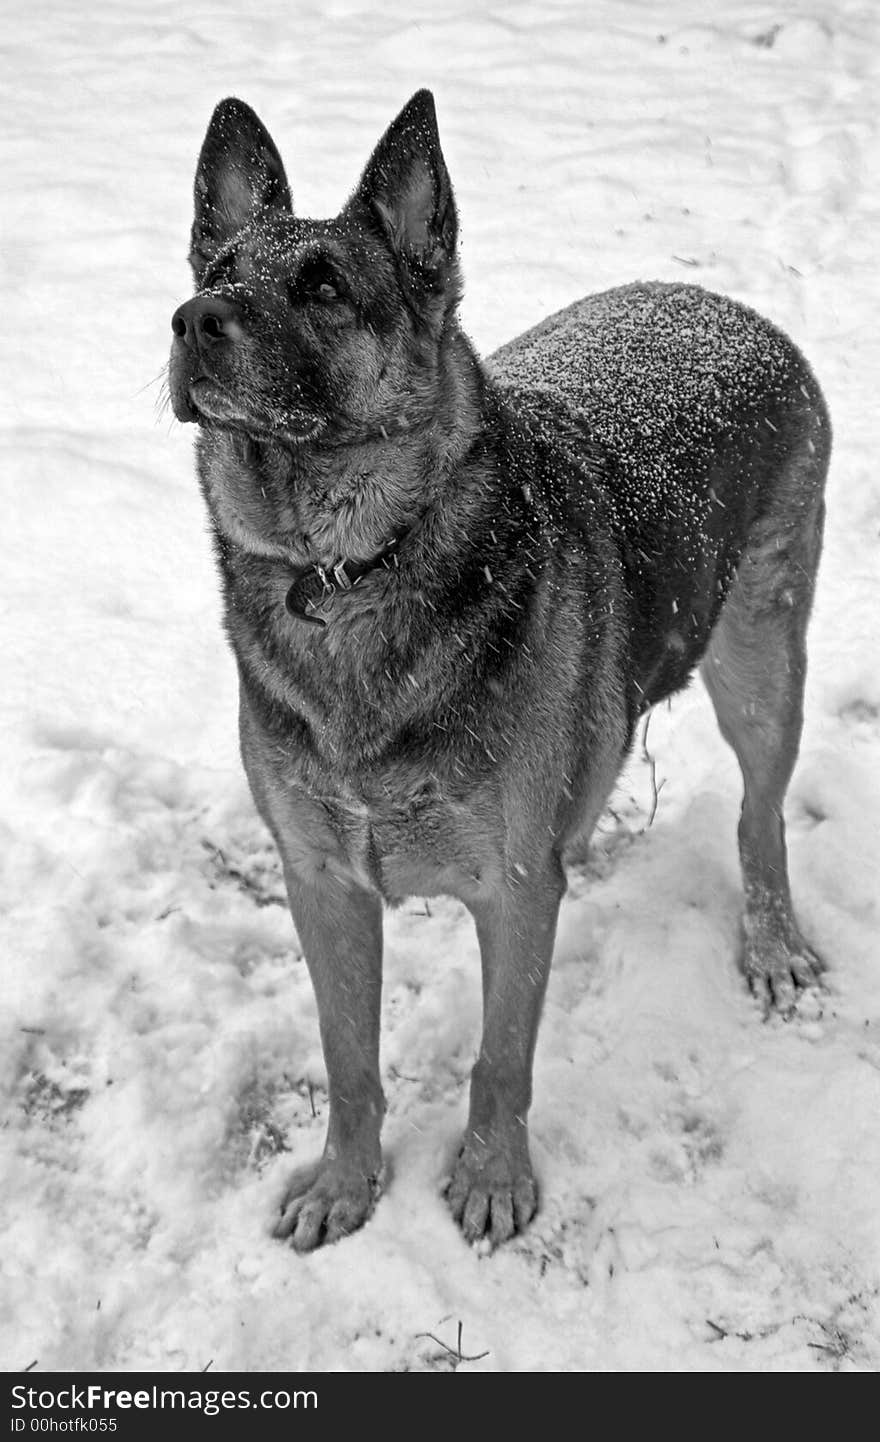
(339, 924)
(492, 1191)
(340, 928)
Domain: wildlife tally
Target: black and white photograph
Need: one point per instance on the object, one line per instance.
(440, 800)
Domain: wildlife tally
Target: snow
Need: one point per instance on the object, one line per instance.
(710, 1183)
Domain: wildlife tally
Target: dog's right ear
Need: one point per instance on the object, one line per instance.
(239, 173)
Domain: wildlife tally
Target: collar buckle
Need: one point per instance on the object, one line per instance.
(303, 599)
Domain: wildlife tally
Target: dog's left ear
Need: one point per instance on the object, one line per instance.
(239, 174)
(407, 191)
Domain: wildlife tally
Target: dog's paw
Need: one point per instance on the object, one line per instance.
(779, 970)
(491, 1197)
(325, 1202)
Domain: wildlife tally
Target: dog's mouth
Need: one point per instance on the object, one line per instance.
(238, 402)
(209, 404)
(210, 401)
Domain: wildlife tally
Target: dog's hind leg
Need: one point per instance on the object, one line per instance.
(754, 670)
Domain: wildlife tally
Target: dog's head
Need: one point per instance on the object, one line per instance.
(304, 327)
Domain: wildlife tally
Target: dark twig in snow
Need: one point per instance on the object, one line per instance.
(655, 789)
(454, 1352)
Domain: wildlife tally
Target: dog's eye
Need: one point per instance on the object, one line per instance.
(317, 281)
(216, 272)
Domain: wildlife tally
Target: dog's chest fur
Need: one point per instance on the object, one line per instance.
(403, 718)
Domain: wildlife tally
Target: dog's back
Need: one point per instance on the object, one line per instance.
(694, 399)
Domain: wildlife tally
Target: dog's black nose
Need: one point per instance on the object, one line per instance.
(205, 321)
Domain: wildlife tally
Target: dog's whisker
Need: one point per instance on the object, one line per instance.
(160, 378)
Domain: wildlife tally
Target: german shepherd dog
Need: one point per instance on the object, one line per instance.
(453, 587)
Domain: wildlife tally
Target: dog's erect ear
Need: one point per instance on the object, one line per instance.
(239, 173)
(406, 189)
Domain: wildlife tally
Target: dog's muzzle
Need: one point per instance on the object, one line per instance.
(202, 327)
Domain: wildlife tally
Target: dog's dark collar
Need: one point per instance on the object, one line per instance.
(314, 586)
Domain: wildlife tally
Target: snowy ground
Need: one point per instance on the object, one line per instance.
(711, 1185)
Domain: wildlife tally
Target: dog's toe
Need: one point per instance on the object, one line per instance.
(310, 1224)
(502, 1225)
(287, 1221)
(525, 1202)
(476, 1215)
